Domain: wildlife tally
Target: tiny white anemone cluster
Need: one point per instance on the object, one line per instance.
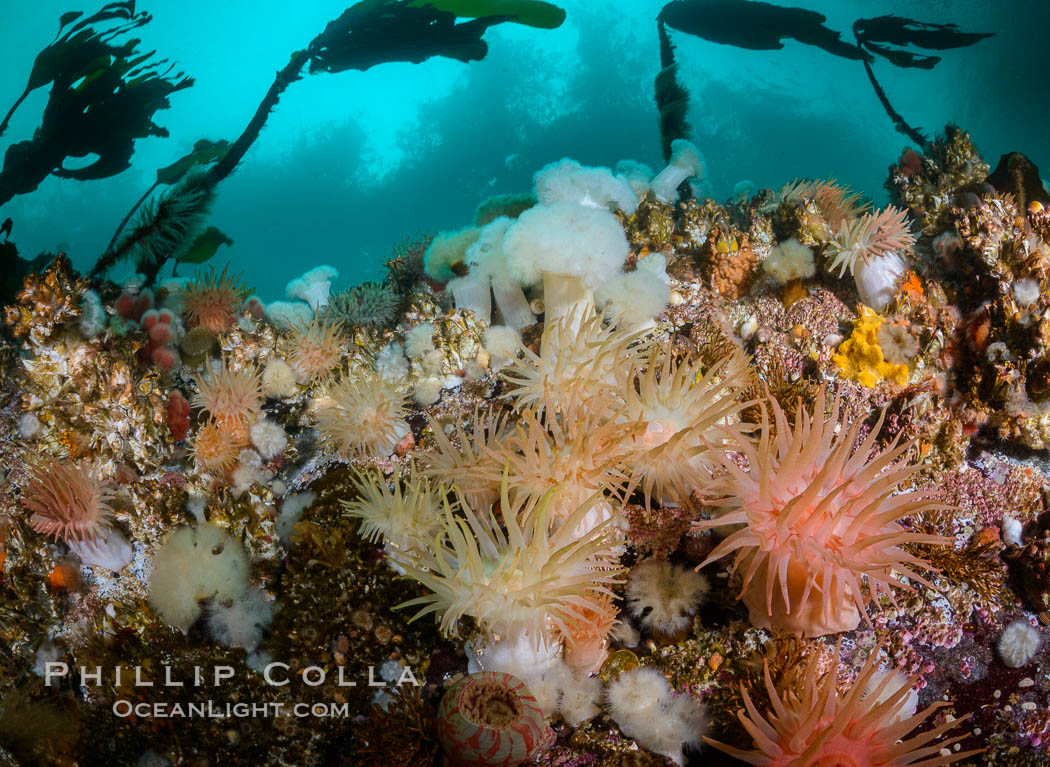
(643, 706)
(1026, 291)
(249, 471)
(419, 340)
(391, 363)
(29, 426)
(1019, 643)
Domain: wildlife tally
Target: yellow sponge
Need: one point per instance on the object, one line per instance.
(860, 357)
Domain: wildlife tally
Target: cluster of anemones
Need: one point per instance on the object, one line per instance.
(529, 545)
(871, 244)
(233, 400)
(600, 410)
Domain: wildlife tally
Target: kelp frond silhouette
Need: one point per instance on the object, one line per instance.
(368, 33)
(672, 98)
(757, 25)
(103, 96)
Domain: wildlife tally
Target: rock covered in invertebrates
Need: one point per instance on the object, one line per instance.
(491, 719)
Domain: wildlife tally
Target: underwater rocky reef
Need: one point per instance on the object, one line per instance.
(613, 475)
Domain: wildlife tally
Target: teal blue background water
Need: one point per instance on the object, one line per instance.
(350, 163)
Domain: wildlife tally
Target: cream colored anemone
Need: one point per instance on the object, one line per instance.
(684, 415)
(519, 583)
(404, 517)
(581, 375)
(363, 414)
(571, 462)
(466, 460)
